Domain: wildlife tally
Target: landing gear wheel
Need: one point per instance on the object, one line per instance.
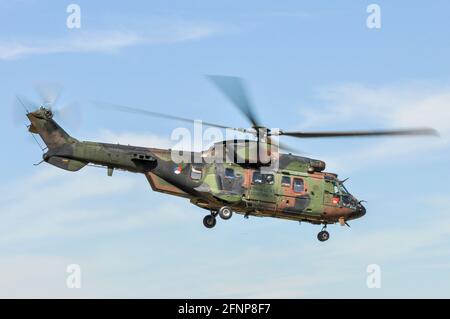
(225, 212)
(209, 221)
(323, 235)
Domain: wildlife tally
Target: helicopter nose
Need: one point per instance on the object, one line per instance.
(360, 210)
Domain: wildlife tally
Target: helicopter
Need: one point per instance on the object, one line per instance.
(250, 177)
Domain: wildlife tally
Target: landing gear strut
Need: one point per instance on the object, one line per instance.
(323, 235)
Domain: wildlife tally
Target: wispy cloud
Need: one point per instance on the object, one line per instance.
(405, 105)
(55, 203)
(287, 14)
(55, 206)
(28, 276)
(107, 41)
(87, 42)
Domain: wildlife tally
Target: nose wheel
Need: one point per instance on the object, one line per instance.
(323, 235)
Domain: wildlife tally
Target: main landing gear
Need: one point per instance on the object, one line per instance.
(323, 235)
(209, 221)
(225, 212)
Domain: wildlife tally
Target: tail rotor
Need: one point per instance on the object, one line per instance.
(50, 95)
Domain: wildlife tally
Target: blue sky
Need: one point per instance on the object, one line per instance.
(309, 66)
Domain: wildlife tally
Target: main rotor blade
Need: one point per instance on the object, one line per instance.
(234, 89)
(287, 148)
(281, 146)
(127, 109)
(402, 132)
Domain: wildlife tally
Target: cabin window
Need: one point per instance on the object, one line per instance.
(286, 181)
(259, 178)
(229, 173)
(299, 185)
(196, 173)
(268, 179)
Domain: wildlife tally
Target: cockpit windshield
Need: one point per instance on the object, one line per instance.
(343, 189)
(339, 188)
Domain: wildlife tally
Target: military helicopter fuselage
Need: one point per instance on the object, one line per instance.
(296, 189)
(249, 177)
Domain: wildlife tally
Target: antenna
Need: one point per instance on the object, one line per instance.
(36, 140)
(37, 164)
(21, 102)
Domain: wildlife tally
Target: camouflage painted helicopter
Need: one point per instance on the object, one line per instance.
(297, 188)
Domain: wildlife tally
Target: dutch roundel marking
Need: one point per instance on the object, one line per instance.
(177, 169)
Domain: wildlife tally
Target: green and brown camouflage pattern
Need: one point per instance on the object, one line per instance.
(296, 189)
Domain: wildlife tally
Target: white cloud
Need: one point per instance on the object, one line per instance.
(108, 41)
(52, 207)
(355, 106)
(88, 42)
(414, 104)
(54, 203)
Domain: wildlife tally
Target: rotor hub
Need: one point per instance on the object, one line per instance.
(47, 113)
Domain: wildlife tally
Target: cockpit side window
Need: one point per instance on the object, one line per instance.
(268, 179)
(259, 178)
(298, 185)
(335, 188)
(229, 173)
(196, 172)
(286, 181)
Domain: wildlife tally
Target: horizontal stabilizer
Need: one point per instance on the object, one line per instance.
(65, 163)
